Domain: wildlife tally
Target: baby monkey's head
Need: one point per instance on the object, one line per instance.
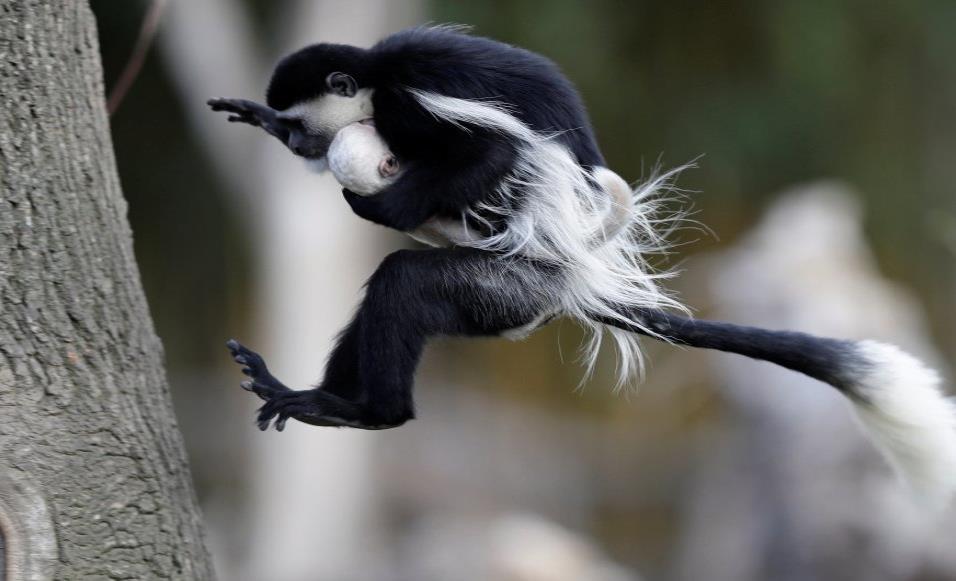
(360, 159)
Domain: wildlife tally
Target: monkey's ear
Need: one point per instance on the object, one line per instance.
(341, 84)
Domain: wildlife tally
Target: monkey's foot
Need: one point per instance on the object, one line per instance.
(313, 406)
(301, 405)
(320, 408)
(260, 382)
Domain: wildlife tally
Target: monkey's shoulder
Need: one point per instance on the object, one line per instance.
(448, 62)
(455, 64)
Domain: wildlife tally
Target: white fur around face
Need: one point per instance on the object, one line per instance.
(329, 113)
(355, 156)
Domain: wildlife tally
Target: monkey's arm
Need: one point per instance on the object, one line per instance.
(252, 113)
(442, 187)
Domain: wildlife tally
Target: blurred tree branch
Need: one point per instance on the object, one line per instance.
(135, 63)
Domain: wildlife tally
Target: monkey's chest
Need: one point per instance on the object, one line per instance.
(444, 232)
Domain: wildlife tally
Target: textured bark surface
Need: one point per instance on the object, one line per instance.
(93, 475)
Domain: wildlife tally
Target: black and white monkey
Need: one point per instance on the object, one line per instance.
(485, 151)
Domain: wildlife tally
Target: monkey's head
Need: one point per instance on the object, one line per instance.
(314, 93)
(318, 90)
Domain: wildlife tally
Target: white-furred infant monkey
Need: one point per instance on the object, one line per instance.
(361, 161)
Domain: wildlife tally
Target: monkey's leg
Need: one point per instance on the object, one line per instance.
(412, 296)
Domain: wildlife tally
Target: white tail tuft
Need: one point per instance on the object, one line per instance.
(900, 404)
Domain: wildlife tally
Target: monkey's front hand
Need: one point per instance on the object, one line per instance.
(383, 210)
(365, 207)
(251, 113)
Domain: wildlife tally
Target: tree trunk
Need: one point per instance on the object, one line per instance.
(93, 475)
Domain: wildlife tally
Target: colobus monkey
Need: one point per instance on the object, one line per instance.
(485, 151)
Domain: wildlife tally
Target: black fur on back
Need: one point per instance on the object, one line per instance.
(448, 168)
(448, 62)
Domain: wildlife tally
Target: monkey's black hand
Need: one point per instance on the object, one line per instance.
(364, 207)
(378, 209)
(251, 113)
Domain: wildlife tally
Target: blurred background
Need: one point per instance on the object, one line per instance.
(828, 135)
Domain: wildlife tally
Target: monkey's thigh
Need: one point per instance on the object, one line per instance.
(477, 293)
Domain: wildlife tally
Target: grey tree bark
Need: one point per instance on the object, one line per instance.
(94, 482)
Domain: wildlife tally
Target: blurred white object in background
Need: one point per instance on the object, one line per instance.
(516, 546)
(792, 490)
(528, 548)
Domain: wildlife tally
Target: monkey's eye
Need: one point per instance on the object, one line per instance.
(388, 167)
(341, 84)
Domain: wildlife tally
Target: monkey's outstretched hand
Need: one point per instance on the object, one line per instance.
(252, 113)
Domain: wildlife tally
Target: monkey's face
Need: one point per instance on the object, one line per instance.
(313, 124)
(316, 92)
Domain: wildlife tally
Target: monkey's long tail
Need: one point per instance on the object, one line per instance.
(897, 398)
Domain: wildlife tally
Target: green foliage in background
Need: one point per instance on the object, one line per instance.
(771, 93)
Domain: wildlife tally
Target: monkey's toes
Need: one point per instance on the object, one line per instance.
(262, 383)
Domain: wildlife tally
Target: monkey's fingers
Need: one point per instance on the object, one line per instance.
(269, 410)
(263, 383)
(282, 406)
(293, 411)
(264, 392)
(280, 422)
(242, 354)
(245, 118)
(241, 107)
(227, 104)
